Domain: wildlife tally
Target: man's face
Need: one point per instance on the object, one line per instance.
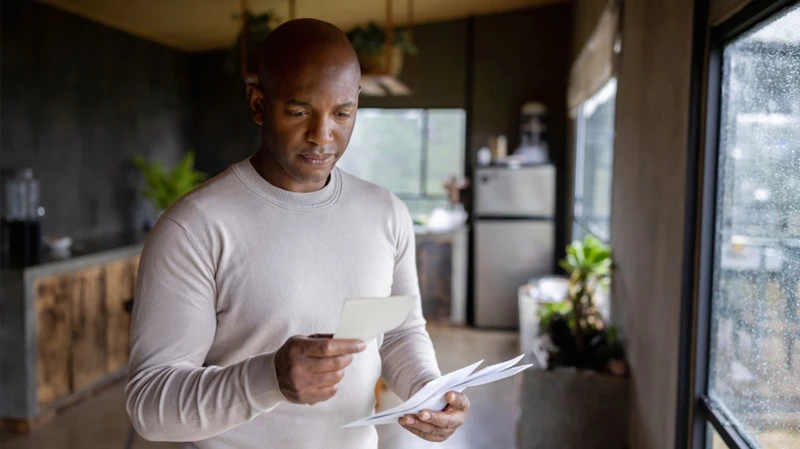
(308, 119)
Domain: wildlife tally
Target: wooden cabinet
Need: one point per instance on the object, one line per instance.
(82, 328)
(120, 280)
(53, 335)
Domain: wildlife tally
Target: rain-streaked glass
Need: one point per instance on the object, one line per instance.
(755, 333)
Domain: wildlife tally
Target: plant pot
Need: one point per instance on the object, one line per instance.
(567, 408)
(374, 62)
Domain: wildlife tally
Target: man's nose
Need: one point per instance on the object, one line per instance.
(320, 131)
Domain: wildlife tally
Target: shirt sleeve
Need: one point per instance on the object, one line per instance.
(171, 395)
(409, 360)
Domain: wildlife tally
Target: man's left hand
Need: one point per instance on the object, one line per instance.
(438, 426)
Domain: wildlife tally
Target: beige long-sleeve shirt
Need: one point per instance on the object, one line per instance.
(234, 269)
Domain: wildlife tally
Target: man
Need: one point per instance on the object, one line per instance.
(241, 280)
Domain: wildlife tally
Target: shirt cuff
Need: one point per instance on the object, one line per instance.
(261, 382)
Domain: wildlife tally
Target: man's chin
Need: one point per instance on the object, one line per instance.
(314, 176)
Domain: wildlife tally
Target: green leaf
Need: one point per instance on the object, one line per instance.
(164, 188)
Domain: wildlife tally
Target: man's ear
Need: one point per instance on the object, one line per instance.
(255, 96)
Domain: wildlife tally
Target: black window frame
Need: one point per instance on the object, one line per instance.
(700, 411)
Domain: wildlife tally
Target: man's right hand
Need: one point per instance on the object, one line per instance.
(310, 368)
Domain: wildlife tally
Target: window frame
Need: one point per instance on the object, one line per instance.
(424, 195)
(580, 166)
(704, 410)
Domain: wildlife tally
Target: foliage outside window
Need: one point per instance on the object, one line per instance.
(411, 152)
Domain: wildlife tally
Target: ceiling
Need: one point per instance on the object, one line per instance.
(201, 25)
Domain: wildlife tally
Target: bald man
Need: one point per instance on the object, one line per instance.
(242, 280)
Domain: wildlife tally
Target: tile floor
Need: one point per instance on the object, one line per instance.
(102, 423)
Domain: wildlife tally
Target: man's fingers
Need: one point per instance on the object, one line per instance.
(426, 429)
(457, 401)
(446, 420)
(419, 433)
(331, 347)
(327, 379)
(327, 364)
(321, 336)
(321, 395)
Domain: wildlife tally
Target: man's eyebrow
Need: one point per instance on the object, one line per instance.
(298, 103)
(308, 105)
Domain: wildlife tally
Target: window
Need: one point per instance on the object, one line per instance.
(751, 365)
(594, 156)
(411, 152)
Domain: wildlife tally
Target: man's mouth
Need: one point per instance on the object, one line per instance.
(317, 160)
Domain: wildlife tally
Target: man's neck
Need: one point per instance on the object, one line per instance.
(269, 169)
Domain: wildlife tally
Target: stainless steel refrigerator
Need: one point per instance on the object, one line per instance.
(514, 238)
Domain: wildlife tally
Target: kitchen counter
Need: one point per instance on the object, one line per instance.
(82, 254)
(64, 326)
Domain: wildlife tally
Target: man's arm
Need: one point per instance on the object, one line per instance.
(409, 361)
(171, 396)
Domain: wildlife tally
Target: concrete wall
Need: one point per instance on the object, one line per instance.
(647, 225)
(79, 100)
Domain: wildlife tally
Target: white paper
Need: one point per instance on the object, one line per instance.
(367, 318)
(432, 395)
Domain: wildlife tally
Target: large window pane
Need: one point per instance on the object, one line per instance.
(755, 341)
(594, 160)
(445, 147)
(386, 148)
(411, 152)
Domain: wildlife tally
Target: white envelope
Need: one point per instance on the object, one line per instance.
(432, 395)
(367, 318)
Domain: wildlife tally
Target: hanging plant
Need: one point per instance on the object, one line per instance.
(370, 45)
(258, 28)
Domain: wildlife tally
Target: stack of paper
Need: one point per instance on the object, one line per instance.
(432, 395)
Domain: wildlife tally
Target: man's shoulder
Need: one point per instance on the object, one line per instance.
(213, 197)
(370, 194)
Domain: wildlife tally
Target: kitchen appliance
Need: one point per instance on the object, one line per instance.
(21, 214)
(514, 238)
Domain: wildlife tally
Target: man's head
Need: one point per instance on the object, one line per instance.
(306, 100)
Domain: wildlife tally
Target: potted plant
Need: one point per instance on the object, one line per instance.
(370, 45)
(581, 398)
(165, 187)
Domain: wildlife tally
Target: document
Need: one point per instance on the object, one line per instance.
(367, 318)
(432, 395)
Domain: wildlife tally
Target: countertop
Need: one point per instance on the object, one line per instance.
(82, 254)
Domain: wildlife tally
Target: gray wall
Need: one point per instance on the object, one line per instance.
(79, 100)
(518, 57)
(649, 194)
(223, 131)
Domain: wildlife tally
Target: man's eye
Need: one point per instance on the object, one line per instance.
(343, 115)
(296, 114)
